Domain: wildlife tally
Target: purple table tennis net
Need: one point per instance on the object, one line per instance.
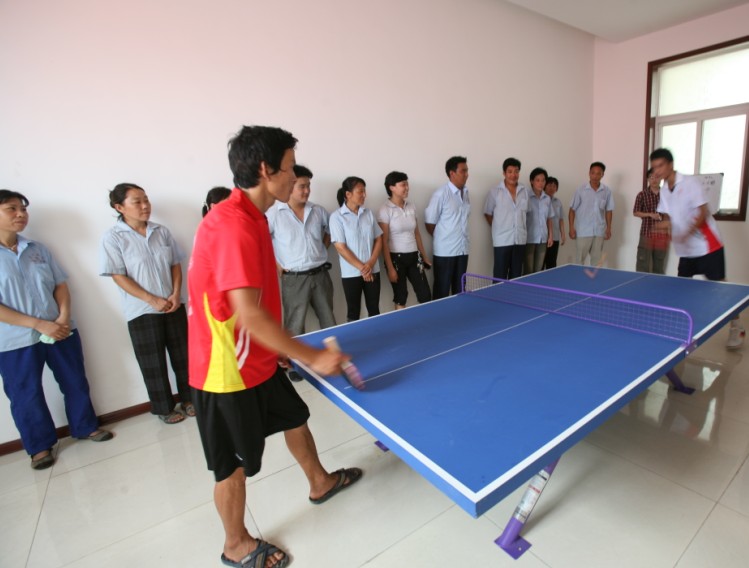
(662, 321)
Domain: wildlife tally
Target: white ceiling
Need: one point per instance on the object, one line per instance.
(619, 20)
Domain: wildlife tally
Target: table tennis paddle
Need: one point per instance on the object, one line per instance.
(350, 372)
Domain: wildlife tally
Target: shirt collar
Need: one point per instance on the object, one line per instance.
(590, 187)
(392, 205)
(541, 196)
(122, 227)
(281, 205)
(518, 189)
(455, 190)
(23, 243)
(243, 200)
(344, 210)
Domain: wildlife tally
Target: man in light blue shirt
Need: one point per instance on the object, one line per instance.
(505, 210)
(301, 237)
(590, 216)
(446, 219)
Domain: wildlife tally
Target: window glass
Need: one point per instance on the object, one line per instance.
(706, 83)
(723, 152)
(681, 139)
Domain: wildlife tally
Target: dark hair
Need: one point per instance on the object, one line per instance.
(598, 165)
(662, 153)
(553, 180)
(254, 145)
(301, 171)
(215, 195)
(452, 164)
(510, 162)
(7, 194)
(539, 171)
(348, 186)
(118, 195)
(393, 178)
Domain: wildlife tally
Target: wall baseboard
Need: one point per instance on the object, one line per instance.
(104, 419)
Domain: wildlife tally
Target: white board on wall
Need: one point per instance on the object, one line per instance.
(713, 183)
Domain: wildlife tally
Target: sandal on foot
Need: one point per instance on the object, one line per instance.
(346, 478)
(173, 417)
(257, 558)
(188, 408)
(294, 376)
(43, 462)
(99, 436)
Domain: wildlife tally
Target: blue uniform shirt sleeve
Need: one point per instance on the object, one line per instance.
(111, 260)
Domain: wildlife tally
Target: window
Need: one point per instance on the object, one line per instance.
(698, 107)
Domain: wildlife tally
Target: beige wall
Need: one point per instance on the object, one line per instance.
(619, 126)
(95, 93)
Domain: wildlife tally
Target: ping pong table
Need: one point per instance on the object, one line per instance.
(483, 391)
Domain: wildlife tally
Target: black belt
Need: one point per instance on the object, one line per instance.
(309, 272)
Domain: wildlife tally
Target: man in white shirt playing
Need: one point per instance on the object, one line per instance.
(446, 219)
(300, 234)
(694, 232)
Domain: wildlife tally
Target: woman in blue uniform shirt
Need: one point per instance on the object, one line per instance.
(36, 328)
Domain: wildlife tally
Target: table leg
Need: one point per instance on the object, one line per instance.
(677, 384)
(510, 540)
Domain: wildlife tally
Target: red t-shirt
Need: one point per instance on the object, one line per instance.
(232, 249)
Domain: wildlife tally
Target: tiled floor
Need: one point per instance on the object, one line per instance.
(664, 483)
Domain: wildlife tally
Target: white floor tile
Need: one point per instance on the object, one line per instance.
(721, 543)
(19, 514)
(130, 434)
(736, 496)
(16, 473)
(194, 538)
(689, 444)
(452, 539)
(390, 502)
(601, 510)
(98, 505)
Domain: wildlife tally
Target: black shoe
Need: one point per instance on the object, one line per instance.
(294, 376)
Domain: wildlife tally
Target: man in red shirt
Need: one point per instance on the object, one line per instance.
(235, 339)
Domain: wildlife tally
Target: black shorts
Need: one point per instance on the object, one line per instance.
(712, 265)
(233, 426)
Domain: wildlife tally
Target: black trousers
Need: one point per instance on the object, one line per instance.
(508, 261)
(407, 266)
(353, 289)
(551, 256)
(448, 272)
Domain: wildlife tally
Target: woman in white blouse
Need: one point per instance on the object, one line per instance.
(358, 239)
(403, 250)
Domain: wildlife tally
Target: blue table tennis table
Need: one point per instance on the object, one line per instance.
(483, 391)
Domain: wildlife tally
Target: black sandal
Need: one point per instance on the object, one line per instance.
(350, 475)
(257, 558)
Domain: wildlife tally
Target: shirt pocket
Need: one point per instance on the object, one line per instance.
(163, 255)
(42, 275)
(601, 201)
